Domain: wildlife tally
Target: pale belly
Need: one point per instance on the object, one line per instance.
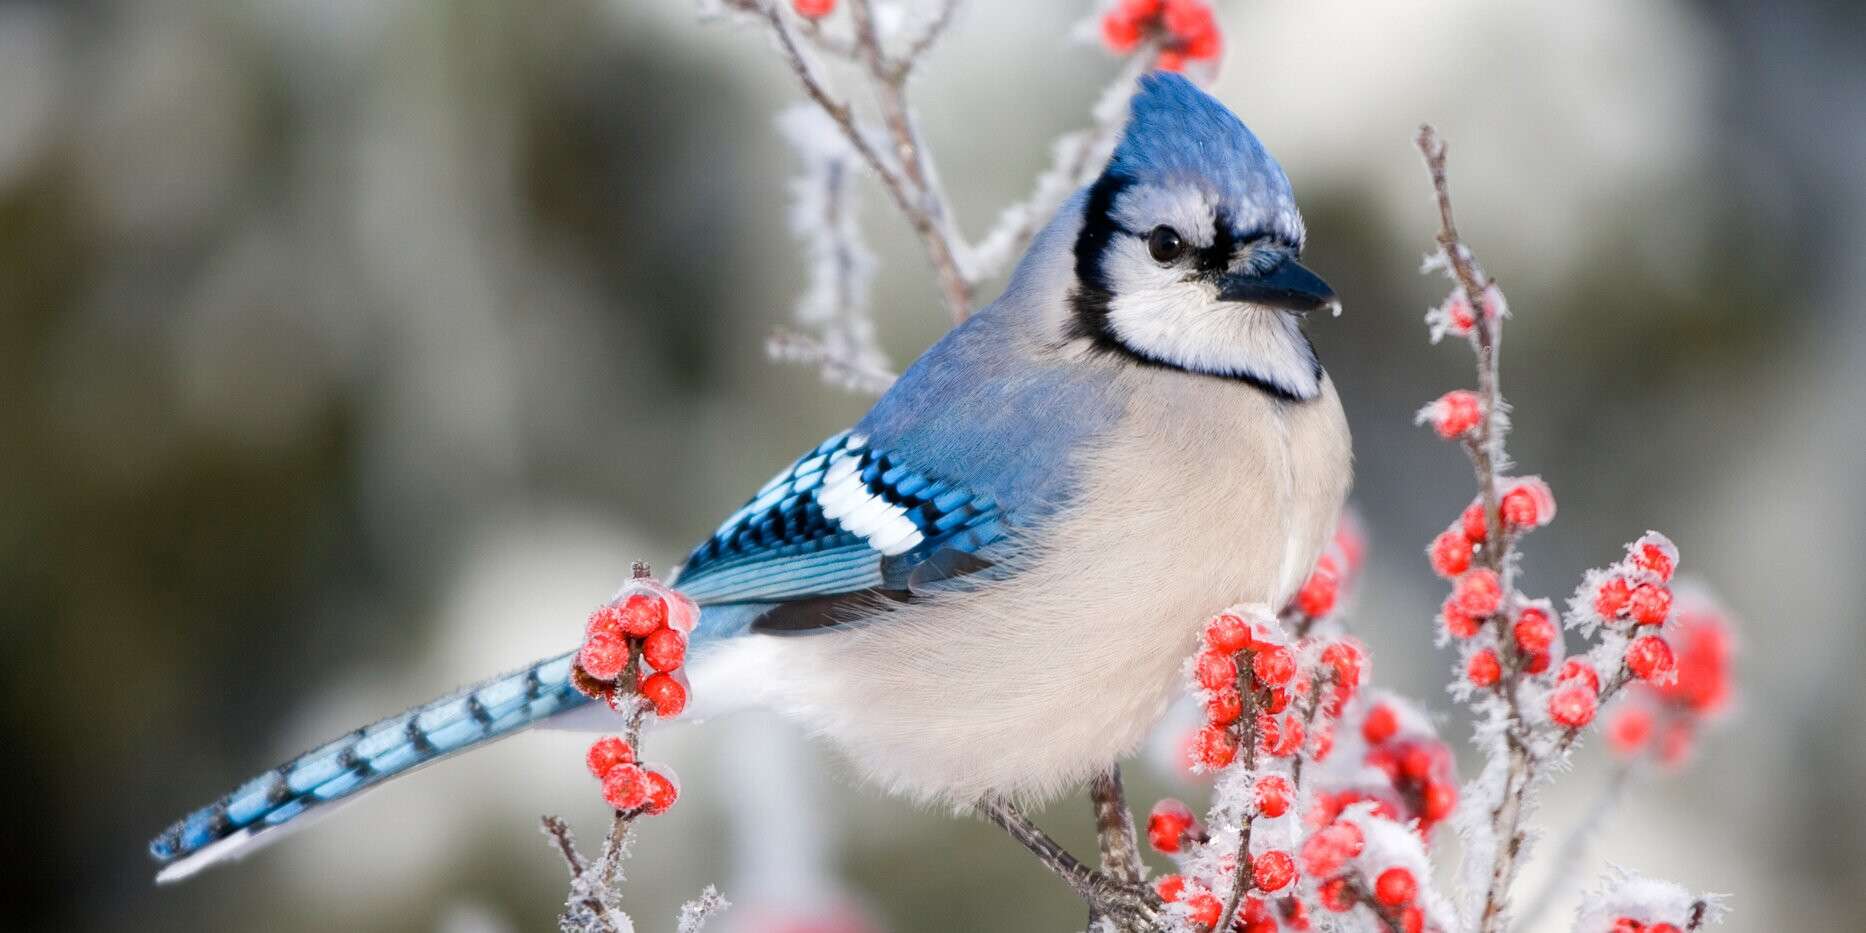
(1027, 686)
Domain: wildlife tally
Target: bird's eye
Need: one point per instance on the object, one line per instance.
(1165, 244)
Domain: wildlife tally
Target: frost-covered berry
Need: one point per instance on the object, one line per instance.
(1279, 737)
(663, 790)
(607, 752)
(1450, 554)
(1224, 707)
(1459, 623)
(667, 694)
(1412, 920)
(1214, 747)
(1329, 848)
(1454, 413)
(1121, 33)
(1336, 895)
(1274, 666)
(603, 656)
(1572, 705)
(665, 649)
(1533, 630)
(1215, 671)
(813, 9)
(1169, 887)
(1273, 795)
(1579, 670)
(1439, 799)
(1650, 604)
(1273, 870)
(1649, 658)
(606, 619)
(1474, 524)
(1168, 824)
(1227, 634)
(642, 614)
(1483, 670)
(1627, 925)
(625, 787)
(1319, 593)
(1380, 724)
(1611, 599)
(1654, 553)
(1348, 660)
(1395, 887)
(1204, 908)
(1478, 592)
(1529, 503)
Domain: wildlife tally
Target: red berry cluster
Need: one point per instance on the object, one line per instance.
(1665, 718)
(636, 644)
(628, 786)
(1421, 775)
(1186, 29)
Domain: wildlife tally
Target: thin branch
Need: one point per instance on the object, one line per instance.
(1243, 879)
(1102, 893)
(1114, 826)
(923, 43)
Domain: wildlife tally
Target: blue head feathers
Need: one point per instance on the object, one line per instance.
(1178, 135)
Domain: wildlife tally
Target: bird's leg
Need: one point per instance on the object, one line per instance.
(1128, 902)
(1114, 825)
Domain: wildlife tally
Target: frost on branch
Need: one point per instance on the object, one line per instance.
(1626, 902)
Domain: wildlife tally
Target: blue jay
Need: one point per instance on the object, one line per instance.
(986, 588)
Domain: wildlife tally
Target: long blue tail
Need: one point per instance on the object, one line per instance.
(470, 717)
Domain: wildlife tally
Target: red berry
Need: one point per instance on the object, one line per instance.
(1627, 925)
(1572, 705)
(1330, 847)
(1278, 700)
(1478, 592)
(1537, 663)
(1649, 658)
(1201, 46)
(1274, 666)
(1273, 795)
(1279, 738)
(1441, 797)
(642, 614)
(1483, 670)
(1457, 621)
(606, 619)
(662, 792)
(1655, 553)
(1379, 726)
(1273, 870)
(603, 656)
(1323, 740)
(1168, 824)
(1534, 632)
(1227, 634)
(1456, 412)
(1119, 33)
(1188, 17)
(1412, 920)
(1395, 887)
(1215, 671)
(1223, 707)
(1577, 669)
(625, 787)
(665, 649)
(1214, 747)
(1348, 660)
(1171, 60)
(1630, 729)
(1611, 599)
(666, 693)
(1318, 594)
(1205, 909)
(1450, 554)
(813, 9)
(1650, 604)
(1661, 928)
(1336, 895)
(606, 753)
(1169, 887)
(1475, 525)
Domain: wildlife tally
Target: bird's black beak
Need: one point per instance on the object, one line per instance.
(1288, 286)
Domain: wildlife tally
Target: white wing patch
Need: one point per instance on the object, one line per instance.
(846, 499)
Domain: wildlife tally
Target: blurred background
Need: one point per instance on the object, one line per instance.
(350, 350)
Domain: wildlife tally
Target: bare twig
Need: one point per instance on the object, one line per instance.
(1114, 826)
(1242, 879)
(1135, 904)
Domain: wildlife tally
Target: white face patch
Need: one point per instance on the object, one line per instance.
(1163, 317)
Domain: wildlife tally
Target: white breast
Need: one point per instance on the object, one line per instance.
(1211, 494)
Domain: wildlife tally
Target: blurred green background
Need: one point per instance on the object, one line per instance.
(349, 350)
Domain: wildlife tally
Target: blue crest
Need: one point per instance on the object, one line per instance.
(1179, 135)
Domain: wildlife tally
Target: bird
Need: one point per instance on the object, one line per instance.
(987, 587)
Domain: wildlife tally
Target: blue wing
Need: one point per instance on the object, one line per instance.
(845, 518)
